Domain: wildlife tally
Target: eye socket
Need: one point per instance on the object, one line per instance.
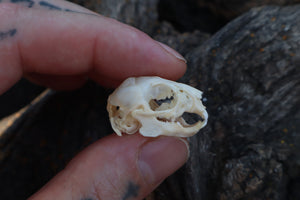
(161, 104)
(162, 98)
(168, 100)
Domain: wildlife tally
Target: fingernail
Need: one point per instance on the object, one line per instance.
(172, 52)
(161, 157)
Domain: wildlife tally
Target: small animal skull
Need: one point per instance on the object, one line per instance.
(155, 106)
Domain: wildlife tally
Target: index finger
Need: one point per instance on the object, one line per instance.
(53, 45)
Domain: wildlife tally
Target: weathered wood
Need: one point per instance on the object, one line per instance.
(138, 13)
(230, 9)
(250, 74)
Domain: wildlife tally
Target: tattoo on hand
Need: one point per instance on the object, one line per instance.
(29, 3)
(49, 5)
(44, 4)
(132, 191)
(7, 34)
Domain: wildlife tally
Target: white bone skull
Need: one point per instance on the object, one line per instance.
(155, 106)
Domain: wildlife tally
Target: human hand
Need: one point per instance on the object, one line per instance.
(59, 45)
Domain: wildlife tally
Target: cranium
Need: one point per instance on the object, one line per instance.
(155, 106)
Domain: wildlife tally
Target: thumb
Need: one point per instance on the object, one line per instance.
(122, 168)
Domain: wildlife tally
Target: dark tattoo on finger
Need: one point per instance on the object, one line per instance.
(132, 191)
(46, 5)
(49, 5)
(7, 34)
(29, 3)
(84, 13)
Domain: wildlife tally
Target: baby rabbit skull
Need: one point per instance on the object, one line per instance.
(155, 106)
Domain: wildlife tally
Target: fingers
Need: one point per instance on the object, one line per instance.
(60, 39)
(127, 167)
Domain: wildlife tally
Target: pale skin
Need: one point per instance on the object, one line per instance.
(60, 45)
